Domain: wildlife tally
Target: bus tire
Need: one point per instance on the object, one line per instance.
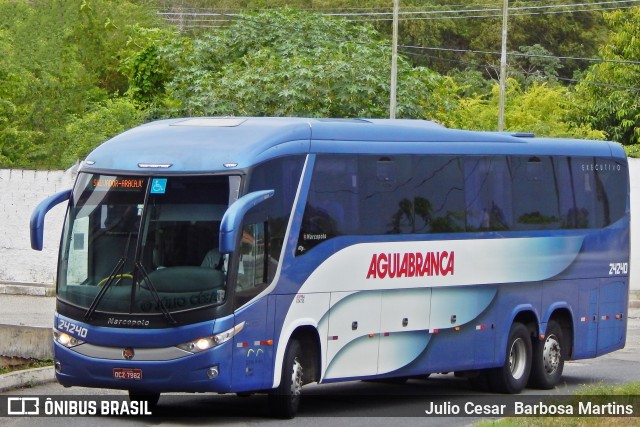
(285, 399)
(548, 359)
(513, 376)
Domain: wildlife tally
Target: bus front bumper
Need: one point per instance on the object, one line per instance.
(208, 371)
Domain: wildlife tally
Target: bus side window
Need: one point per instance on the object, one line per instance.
(536, 195)
(252, 265)
(332, 207)
(487, 186)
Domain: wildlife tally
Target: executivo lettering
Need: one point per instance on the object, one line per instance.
(411, 264)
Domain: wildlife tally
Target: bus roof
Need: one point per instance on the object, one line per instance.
(227, 143)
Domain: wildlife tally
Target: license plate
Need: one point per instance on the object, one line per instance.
(127, 374)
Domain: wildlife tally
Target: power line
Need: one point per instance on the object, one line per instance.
(527, 55)
(497, 15)
(487, 9)
(428, 9)
(262, 24)
(436, 15)
(516, 54)
(494, 68)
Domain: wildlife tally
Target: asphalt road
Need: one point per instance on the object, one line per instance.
(352, 403)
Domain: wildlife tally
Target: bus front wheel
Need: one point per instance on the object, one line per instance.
(548, 361)
(513, 376)
(285, 399)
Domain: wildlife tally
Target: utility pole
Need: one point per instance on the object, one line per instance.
(503, 65)
(394, 61)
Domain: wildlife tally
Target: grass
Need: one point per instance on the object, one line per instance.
(28, 364)
(596, 394)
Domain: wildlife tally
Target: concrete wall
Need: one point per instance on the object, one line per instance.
(20, 192)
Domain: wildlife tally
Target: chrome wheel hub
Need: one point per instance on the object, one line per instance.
(551, 354)
(517, 358)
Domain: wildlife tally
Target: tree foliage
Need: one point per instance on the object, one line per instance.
(609, 95)
(60, 61)
(541, 108)
(459, 37)
(75, 72)
(285, 62)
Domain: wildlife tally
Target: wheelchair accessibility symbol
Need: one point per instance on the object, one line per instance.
(158, 186)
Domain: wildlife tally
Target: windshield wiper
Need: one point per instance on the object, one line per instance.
(155, 294)
(111, 278)
(105, 288)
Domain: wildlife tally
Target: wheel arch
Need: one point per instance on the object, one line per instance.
(306, 332)
(525, 314)
(564, 317)
(309, 340)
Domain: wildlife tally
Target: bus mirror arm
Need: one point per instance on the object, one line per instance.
(37, 217)
(231, 223)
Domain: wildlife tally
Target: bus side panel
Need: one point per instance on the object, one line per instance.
(585, 321)
(252, 355)
(294, 311)
(612, 319)
(353, 340)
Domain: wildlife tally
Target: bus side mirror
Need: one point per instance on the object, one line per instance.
(231, 225)
(37, 217)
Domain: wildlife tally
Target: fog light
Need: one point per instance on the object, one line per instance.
(213, 372)
(58, 367)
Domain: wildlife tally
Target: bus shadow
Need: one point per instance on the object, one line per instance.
(349, 399)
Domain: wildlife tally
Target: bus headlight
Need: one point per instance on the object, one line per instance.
(205, 343)
(66, 339)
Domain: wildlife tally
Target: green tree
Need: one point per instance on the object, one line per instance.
(610, 93)
(540, 108)
(285, 62)
(534, 64)
(60, 60)
(93, 128)
(569, 30)
(14, 86)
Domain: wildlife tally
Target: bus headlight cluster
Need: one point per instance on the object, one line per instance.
(205, 343)
(66, 339)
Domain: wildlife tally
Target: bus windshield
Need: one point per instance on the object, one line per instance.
(145, 245)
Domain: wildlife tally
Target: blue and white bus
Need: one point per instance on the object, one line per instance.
(251, 255)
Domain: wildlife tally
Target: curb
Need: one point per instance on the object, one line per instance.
(26, 378)
(29, 289)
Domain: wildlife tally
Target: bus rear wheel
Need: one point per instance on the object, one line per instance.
(285, 399)
(513, 376)
(548, 361)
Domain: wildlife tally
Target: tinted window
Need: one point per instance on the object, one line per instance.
(593, 191)
(373, 195)
(377, 195)
(283, 176)
(536, 193)
(487, 189)
(438, 194)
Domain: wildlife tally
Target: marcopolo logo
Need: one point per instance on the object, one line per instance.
(411, 264)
